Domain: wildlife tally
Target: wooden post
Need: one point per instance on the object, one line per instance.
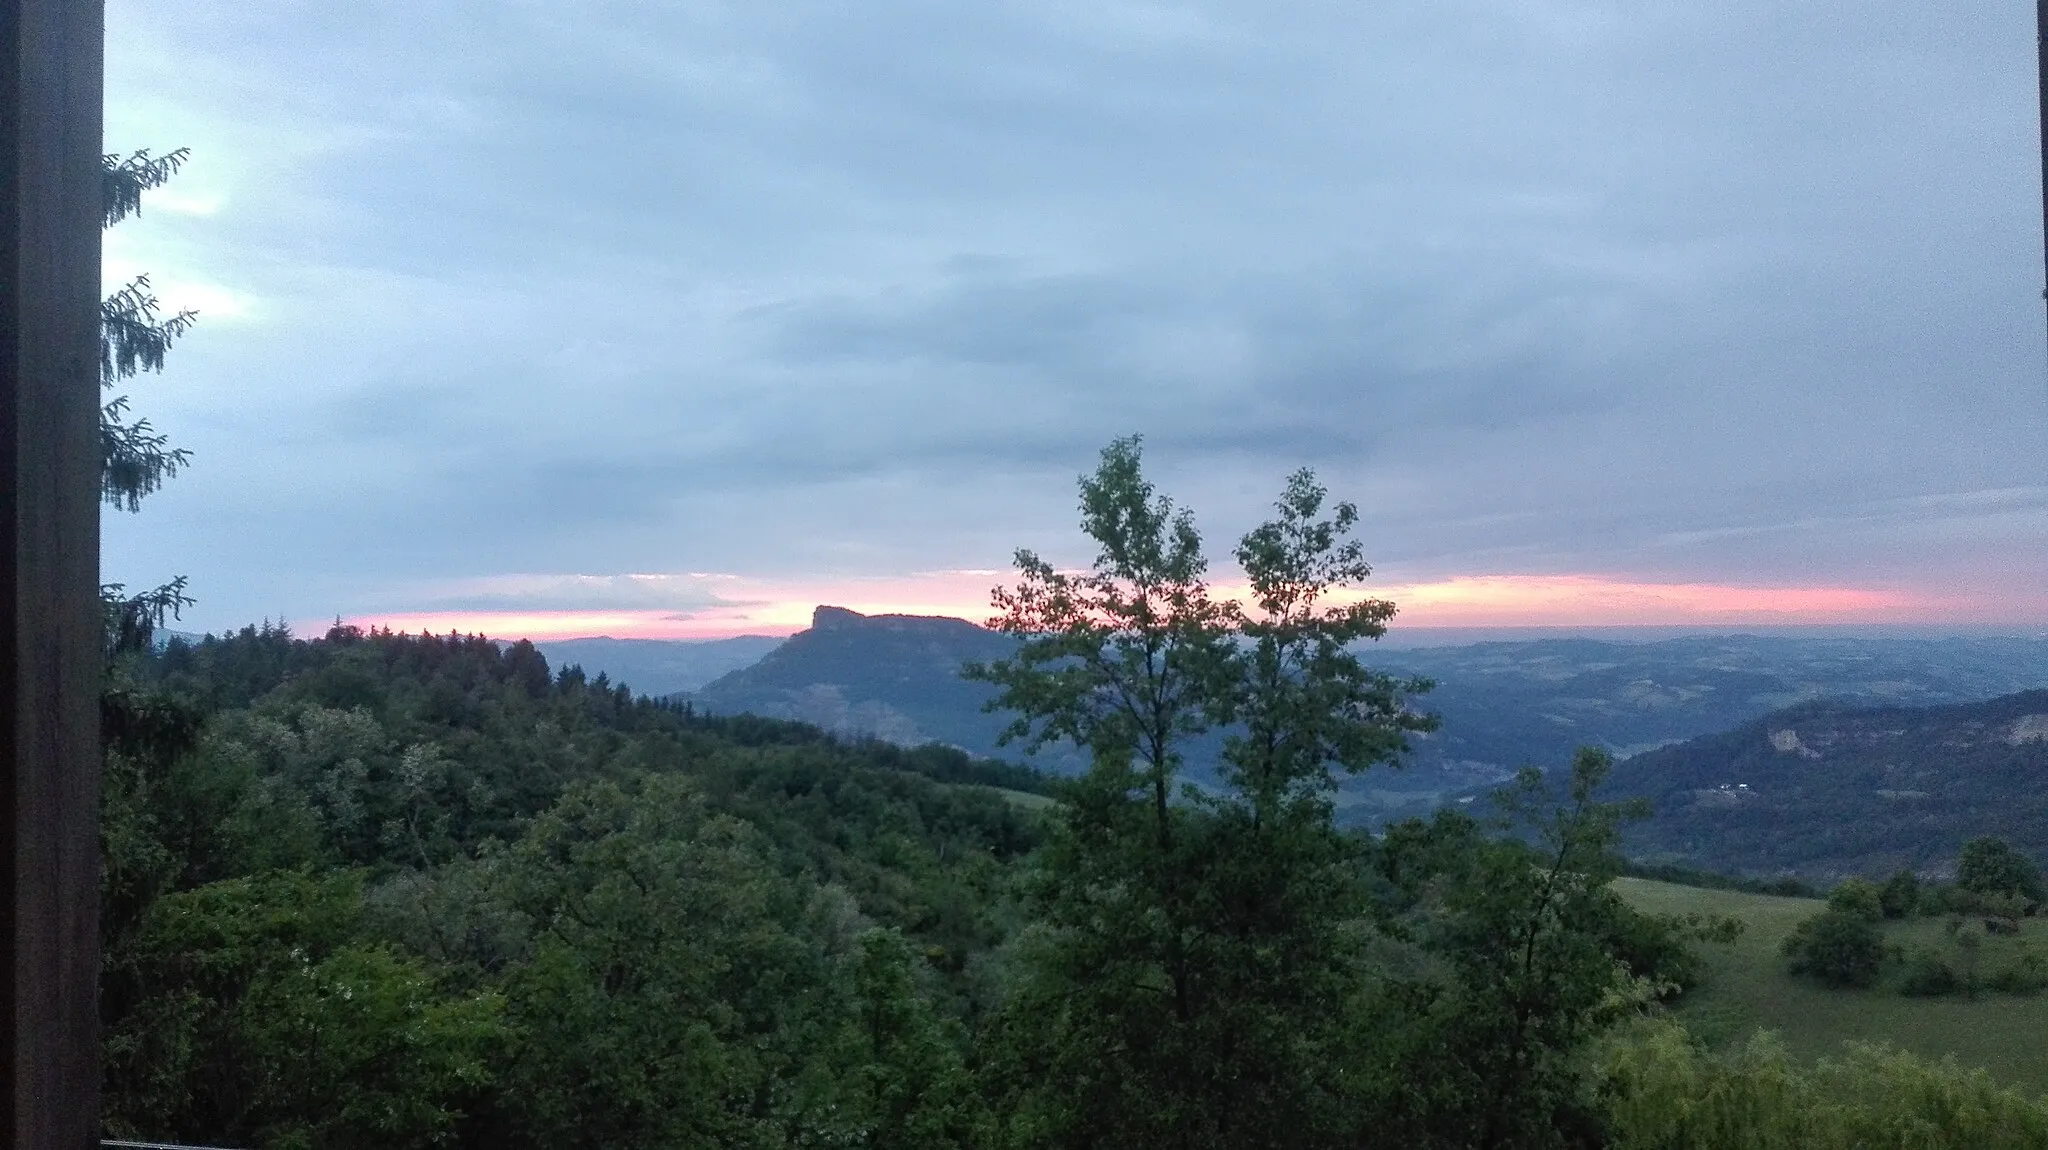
(2041, 47)
(50, 97)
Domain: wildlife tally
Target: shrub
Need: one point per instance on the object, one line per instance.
(2002, 911)
(1900, 895)
(1937, 899)
(1857, 898)
(2028, 975)
(1660, 1090)
(1838, 948)
(1927, 975)
(1664, 948)
(1970, 945)
(1789, 887)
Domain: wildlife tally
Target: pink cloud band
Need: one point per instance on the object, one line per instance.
(773, 608)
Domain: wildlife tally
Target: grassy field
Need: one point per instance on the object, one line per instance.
(1025, 799)
(1747, 987)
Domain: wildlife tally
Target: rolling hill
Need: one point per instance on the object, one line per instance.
(1511, 704)
(1828, 789)
(1504, 704)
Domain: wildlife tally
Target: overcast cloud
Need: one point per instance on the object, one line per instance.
(498, 294)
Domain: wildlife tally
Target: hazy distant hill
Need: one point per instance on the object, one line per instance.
(1509, 704)
(656, 666)
(1504, 704)
(1824, 789)
(896, 677)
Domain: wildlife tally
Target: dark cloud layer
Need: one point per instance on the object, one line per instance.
(1734, 293)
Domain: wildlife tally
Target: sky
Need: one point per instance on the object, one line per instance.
(674, 319)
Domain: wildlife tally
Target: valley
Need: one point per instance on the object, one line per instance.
(1680, 712)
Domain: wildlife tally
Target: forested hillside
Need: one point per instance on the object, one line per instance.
(387, 890)
(377, 890)
(390, 890)
(1827, 790)
(1507, 704)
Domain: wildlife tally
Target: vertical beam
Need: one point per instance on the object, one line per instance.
(2041, 47)
(50, 97)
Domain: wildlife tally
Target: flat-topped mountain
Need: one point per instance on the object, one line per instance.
(894, 677)
(1827, 789)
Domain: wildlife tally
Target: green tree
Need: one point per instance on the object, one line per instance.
(1900, 895)
(145, 732)
(1307, 704)
(1129, 659)
(1530, 931)
(900, 1070)
(1857, 898)
(671, 994)
(1989, 865)
(1192, 942)
(270, 1021)
(1837, 947)
(135, 459)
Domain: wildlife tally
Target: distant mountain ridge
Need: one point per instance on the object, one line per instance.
(1826, 789)
(1504, 704)
(1510, 704)
(659, 667)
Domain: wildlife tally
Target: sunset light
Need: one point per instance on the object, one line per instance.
(765, 607)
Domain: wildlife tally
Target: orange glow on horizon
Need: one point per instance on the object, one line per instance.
(1592, 601)
(775, 608)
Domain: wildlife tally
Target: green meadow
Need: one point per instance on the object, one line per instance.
(1024, 799)
(1747, 987)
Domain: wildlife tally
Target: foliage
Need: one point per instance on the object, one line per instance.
(1190, 943)
(1899, 897)
(1926, 974)
(2026, 975)
(1787, 886)
(310, 836)
(1212, 967)
(262, 1019)
(1306, 704)
(1840, 948)
(1658, 1089)
(1539, 952)
(1857, 898)
(145, 732)
(671, 993)
(1990, 866)
(1938, 899)
(906, 1082)
(134, 337)
(135, 459)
